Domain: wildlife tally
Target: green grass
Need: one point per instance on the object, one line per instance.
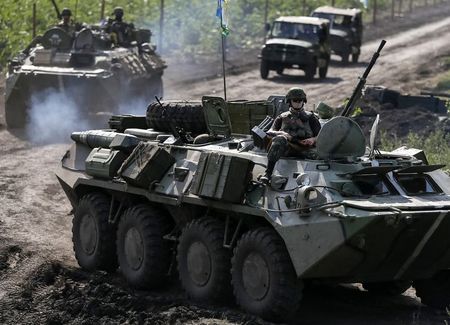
(444, 82)
(435, 145)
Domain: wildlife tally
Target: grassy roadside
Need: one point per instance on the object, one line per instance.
(437, 144)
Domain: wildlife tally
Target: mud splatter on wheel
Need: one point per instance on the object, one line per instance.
(263, 278)
(93, 236)
(144, 255)
(203, 263)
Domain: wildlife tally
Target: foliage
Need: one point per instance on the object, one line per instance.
(435, 145)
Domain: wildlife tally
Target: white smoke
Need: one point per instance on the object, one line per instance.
(53, 117)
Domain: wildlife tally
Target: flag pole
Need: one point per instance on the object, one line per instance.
(223, 52)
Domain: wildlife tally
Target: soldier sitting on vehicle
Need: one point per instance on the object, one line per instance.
(293, 132)
(122, 33)
(67, 24)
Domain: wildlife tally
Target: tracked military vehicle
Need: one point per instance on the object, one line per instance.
(86, 69)
(149, 200)
(346, 31)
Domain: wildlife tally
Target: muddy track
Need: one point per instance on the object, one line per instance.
(39, 278)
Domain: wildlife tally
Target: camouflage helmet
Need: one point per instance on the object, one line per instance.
(118, 11)
(295, 93)
(66, 12)
(325, 111)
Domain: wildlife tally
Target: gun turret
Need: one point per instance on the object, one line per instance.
(362, 81)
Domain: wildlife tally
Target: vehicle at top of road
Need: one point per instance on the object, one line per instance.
(297, 42)
(346, 31)
(160, 191)
(85, 68)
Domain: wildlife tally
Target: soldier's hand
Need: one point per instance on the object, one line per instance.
(308, 142)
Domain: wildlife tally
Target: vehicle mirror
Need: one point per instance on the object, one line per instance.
(267, 27)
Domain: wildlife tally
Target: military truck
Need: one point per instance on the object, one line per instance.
(86, 68)
(346, 31)
(151, 200)
(297, 42)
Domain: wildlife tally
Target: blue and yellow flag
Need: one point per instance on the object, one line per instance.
(222, 13)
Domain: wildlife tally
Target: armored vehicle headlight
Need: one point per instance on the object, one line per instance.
(303, 180)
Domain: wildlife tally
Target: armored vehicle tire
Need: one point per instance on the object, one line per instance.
(203, 263)
(144, 255)
(389, 288)
(264, 69)
(186, 115)
(435, 292)
(355, 57)
(263, 278)
(280, 71)
(93, 236)
(310, 72)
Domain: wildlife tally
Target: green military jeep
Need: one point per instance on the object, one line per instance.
(297, 42)
(346, 31)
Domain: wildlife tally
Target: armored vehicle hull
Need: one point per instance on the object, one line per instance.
(86, 71)
(380, 219)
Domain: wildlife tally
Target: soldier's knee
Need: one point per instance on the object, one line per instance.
(278, 147)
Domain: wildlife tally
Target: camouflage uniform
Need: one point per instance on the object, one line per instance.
(122, 33)
(299, 125)
(66, 24)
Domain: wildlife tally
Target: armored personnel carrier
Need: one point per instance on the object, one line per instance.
(87, 69)
(149, 200)
(346, 30)
(297, 42)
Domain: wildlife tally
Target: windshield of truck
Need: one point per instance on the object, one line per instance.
(307, 32)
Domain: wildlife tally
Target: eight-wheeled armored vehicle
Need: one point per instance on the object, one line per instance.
(155, 187)
(346, 31)
(297, 42)
(86, 69)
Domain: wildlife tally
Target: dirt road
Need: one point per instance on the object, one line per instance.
(38, 279)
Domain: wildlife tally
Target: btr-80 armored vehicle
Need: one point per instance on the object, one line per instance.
(297, 42)
(346, 31)
(86, 69)
(143, 196)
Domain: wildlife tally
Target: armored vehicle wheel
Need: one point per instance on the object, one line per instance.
(389, 288)
(203, 263)
(435, 292)
(310, 72)
(263, 278)
(323, 72)
(264, 69)
(93, 236)
(355, 58)
(280, 71)
(144, 255)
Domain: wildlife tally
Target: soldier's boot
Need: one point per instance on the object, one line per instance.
(277, 149)
(265, 178)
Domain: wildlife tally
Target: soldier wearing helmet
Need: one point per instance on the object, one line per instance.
(122, 33)
(67, 24)
(293, 132)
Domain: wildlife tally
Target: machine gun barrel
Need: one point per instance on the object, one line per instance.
(58, 13)
(94, 138)
(362, 81)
